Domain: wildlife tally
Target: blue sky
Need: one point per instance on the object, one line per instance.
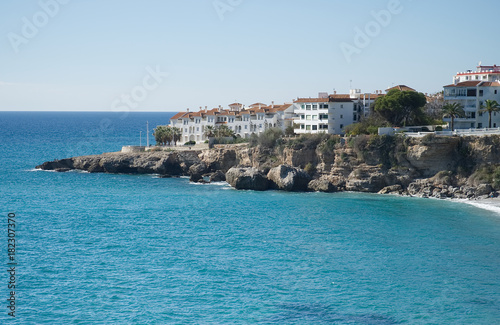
(93, 54)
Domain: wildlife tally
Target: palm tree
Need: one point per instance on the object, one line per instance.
(452, 111)
(160, 134)
(176, 135)
(209, 131)
(490, 107)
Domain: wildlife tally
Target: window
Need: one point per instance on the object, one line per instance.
(303, 106)
(308, 107)
(494, 125)
(341, 116)
(496, 92)
(479, 125)
(471, 92)
(341, 126)
(302, 117)
(246, 127)
(302, 126)
(315, 117)
(308, 127)
(481, 92)
(315, 107)
(308, 117)
(315, 127)
(324, 106)
(477, 77)
(198, 129)
(342, 106)
(354, 117)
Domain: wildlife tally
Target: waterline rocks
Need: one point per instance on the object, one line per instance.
(248, 178)
(288, 178)
(433, 166)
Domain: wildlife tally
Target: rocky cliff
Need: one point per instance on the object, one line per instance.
(442, 167)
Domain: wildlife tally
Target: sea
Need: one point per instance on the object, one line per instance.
(132, 249)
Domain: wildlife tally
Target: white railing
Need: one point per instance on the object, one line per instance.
(458, 132)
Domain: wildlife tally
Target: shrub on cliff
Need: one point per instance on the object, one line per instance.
(268, 139)
(309, 141)
(329, 144)
(486, 175)
(310, 169)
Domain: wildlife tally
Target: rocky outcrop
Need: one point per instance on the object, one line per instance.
(444, 167)
(321, 185)
(248, 178)
(163, 163)
(288, 178)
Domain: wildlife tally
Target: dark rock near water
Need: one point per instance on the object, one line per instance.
(247, 179)
(218, 176)
(288, 178)
(321, 185)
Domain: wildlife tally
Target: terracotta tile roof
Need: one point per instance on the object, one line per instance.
(340, 97)
(465, 84)
(235, 104)
(178, 116)
(311, 100)
(280, 108)
(258, 104)
(490, 84)
(401, 87)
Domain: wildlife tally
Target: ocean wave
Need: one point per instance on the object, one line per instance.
(489, 205)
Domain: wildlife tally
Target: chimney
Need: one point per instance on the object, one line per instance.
(272, 104)
(188, 110)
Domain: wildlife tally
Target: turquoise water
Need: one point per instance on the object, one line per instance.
(108, 249)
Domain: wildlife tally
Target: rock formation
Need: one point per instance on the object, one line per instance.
(441, 167)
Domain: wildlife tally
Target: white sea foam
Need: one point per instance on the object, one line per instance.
(490, 205)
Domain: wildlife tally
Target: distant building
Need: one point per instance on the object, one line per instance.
(471, 89)
(331, 113)
(243, 121)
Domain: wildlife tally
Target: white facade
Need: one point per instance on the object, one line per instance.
(471, 90)
(331, 113)
(244, 122)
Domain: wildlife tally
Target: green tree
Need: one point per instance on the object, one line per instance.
(490, 106)
(402, 108)
(209, 131)
(176, 134)
(290, 130)
(224, 131)
(160, 134)
(453, 110)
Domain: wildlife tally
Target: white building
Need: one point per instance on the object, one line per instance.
(244, 122)
(471, 89)
(331, 113)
